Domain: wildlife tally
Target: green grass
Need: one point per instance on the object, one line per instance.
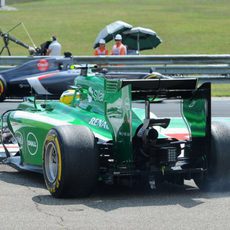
(221, 90)
(185, 26)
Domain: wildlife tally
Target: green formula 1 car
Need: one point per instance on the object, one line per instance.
(97, 135)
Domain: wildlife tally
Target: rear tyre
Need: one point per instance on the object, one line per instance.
(70, 161)
(217, 176)
(2, 89)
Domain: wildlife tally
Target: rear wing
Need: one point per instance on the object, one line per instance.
(161, 88)
(196, 104)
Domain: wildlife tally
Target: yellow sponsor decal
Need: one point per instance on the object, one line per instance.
(59, 159)
(57, 184)
(1, 87)
(50, 138)
(51, 190)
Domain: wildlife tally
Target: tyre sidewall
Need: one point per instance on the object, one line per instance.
(220, 152)
(78, 161)
(217, 176)
(55, 187)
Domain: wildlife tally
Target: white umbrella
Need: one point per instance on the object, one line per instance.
(109, 32)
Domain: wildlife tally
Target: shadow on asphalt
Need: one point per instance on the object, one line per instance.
(108, 198)
(23, 178)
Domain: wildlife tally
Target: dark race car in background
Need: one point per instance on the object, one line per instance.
(50, 77)
(46, 76)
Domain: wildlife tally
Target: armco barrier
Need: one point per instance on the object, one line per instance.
(217, 65)
(132, 60)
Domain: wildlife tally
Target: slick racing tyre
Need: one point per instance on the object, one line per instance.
(218, 171)
(70, 161)
(2, 89)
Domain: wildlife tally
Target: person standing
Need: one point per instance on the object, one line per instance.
(119, 48)
(101, 50)
(54, 48)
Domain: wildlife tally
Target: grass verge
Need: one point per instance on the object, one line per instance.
(221, 90)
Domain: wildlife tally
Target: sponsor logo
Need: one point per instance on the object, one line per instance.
(32, 143)
(43, 65)
(99, 123)
(126, 103)
(95, 95)
(123, 134)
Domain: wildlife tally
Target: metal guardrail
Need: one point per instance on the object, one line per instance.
(164, 64)
(176, 69)
(156, 59)
(131, 59)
